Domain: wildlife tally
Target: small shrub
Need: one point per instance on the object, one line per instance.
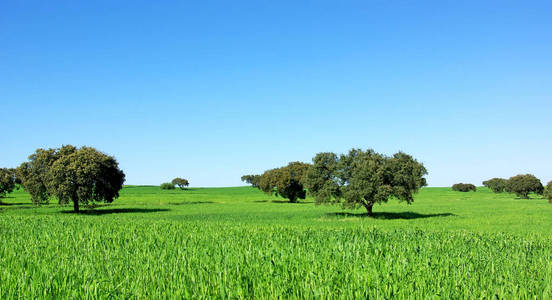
(548, 192)
(522, 185)
(497, 185)
(464, 187)
(167, 186)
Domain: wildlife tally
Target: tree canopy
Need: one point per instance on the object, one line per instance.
(78, 175)
(523, 185)
(253, 180)
(286, 182)
(7, 181)
(167, 186)
(363, 178)
(548, 192)
(180, 182)
(464, 187)
(497, 185)
(34, 173)
(85, 175)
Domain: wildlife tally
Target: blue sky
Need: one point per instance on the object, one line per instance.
(211, 90)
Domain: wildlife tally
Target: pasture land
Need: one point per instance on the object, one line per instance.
(240, 243)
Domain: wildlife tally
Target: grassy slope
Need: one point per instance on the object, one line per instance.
(238, 242)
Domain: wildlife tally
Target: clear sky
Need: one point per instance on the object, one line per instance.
(211, 90)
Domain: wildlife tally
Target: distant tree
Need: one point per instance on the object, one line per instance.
(7, 181)
(167, 186)
(497, 185)
(286, 182)
(253, 180)
(85, 175)
(523, 185)
(364, 178)
(548, 192)
(33, 174)
(464, 187)
(180, 182)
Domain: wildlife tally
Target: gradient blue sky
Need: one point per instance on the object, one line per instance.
(213, 90)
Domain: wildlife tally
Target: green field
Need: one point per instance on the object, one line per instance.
(240, 243)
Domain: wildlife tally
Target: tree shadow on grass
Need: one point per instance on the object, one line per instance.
(407, 215)
(190, 202)
(187, 189)
(18, 205)
(530, 198)
(284, 201)
(14, 203)
(98, 212)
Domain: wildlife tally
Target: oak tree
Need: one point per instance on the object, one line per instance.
(84, 176)
(167, 186)
(548, 192)
(33, 174)
(496, 185)
(7, 181)
(364, 178)
(286, 182)
(464, 187)
(180, 182)
(523, 185)
(253, 180)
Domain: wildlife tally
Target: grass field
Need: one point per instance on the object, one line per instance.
(240, 243)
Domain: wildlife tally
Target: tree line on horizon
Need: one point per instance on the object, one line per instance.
(359, 178)
(521, 185)
(364, 178)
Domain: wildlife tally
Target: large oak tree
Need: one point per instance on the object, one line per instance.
(524, 184)
(364, 178)
(78, 175)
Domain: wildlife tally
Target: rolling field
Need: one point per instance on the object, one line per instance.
(240, 243)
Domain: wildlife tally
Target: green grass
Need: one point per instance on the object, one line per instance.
(240, 243)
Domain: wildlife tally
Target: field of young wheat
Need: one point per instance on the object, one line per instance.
(240, 243)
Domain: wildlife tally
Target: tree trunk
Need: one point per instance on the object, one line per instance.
(76, 205)
(369, 208)
(525, 196)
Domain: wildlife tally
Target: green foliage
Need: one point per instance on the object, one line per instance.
(253, 180)
(497, 185)
(363, 178)
(548, 192)
(167, 186)
(523, 185)
(286, 182)
(180, 182)
(79, 175)
(34, 173)
(464, 187)
(83, 176)
(7, 181)
(227, 243)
